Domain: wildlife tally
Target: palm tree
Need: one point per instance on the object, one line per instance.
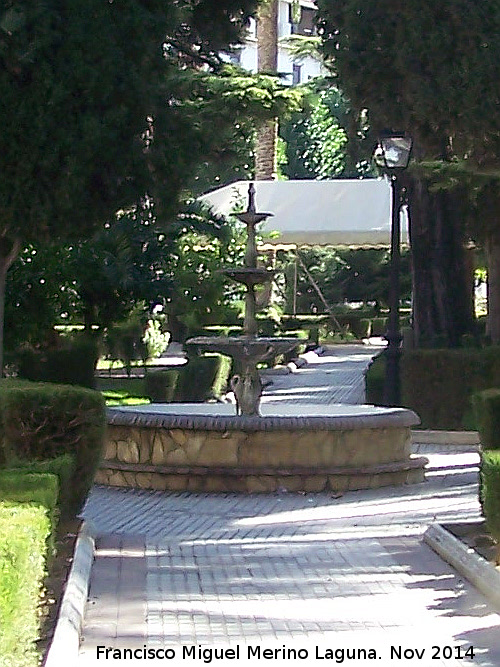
(267, 61)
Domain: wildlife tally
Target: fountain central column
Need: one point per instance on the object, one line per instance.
(250, 349)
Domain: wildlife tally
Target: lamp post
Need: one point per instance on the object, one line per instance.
(393, 154)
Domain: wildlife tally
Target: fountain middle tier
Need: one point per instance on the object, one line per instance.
(249, 276)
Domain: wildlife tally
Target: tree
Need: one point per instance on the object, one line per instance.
(97, 113)
(267, 57)
(342, 275)
(315, 139)
(426, 68)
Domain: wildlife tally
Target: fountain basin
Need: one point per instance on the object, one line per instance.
(206, 448)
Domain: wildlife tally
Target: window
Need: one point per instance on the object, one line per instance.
(296, 75)
(306, 25)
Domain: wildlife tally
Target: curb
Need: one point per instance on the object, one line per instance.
(66, 640)
(463, 438)
(466, 561)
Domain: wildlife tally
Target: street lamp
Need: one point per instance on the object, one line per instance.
(393, 154)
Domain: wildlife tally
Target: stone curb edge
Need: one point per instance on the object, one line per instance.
(466, 561)
(65, 643)
(428, 437)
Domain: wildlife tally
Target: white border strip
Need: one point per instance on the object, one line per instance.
(425, 437)
(65, 644)
(465, 560)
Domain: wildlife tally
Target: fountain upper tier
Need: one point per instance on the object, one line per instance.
(244, 348)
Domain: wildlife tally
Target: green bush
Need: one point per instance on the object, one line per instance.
(490, 490)
(24, 530)
(73, 363)
(202, 378)
(355, 324)
(44, 421)
(375, 380)
(21, 486)
(438, 384)
(379, 326)
(487, 410)
(63, 467)
(160, 386)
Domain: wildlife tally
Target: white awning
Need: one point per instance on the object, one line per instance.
(350, 212)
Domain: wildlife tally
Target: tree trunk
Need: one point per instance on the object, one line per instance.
(492, 247)
(443, 306)
(267, 61)
(266, 166)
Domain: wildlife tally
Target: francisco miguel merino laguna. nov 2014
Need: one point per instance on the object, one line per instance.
(208, 654)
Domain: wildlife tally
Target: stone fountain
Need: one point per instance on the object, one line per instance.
(248, 350)
(303, 447)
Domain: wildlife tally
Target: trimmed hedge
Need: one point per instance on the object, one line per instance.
(28, 518)
(375, 379)
(74, 363)
(62, 467)
(490, 490)
(202, 378)
(44, 421)
(438, 384)
(24, 530)
(487, 410)
(160, 386)
(20, 486)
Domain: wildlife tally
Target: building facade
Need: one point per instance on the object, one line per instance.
(294, 17)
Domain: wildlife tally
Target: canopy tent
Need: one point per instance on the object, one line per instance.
(350, 212)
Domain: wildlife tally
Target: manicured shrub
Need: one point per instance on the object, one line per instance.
(375, 380)
(202, 378)
(62, 467)
(20, 486)
(224, 372)
(354, 323)
(487, 411)
(160, 386)
(379, 326)
(44, 421)
(26, 487)
(438, 384)
(72, 363)
(24, 530)
(490, 490)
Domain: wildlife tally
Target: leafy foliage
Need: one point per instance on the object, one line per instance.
(24, 529)
(105, 122)
(43, 421)
(317, 136)
(343, 275)
(425, 68)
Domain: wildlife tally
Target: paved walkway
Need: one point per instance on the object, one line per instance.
(348, 574)
(336, 376)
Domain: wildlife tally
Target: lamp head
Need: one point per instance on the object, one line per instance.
(393, 151)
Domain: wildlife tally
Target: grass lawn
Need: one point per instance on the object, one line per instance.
(122, 391)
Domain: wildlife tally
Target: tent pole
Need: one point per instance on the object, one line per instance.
(320, 294)
(295, 286)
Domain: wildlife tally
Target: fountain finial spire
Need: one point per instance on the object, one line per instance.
(251, 198)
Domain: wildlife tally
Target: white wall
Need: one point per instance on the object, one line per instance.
(309, 67)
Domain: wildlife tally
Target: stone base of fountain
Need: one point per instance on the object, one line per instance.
(205, 448)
